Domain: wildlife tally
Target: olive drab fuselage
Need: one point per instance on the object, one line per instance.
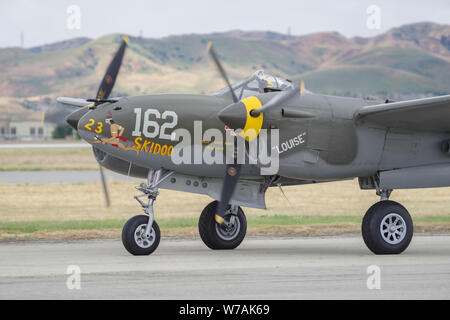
(318, 137)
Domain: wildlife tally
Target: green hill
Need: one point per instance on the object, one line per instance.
(409, 60)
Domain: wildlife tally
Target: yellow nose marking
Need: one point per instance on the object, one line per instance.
(252, 124)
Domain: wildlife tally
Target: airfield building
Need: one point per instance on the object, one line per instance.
(25, 130)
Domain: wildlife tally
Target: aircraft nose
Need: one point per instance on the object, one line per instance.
(234, 115)
(73, 118)
(237, 116)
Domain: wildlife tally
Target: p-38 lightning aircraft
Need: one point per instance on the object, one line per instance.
(386, 145)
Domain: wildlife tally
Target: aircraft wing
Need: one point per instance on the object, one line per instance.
(73, 102)
(428, 114)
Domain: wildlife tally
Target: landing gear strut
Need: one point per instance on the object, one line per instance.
(141, 235)
(387, 227)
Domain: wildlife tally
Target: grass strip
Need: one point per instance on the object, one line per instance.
(258, 221)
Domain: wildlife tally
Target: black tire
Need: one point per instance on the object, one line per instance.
(128, 236)
(213, 236)
(378, 241)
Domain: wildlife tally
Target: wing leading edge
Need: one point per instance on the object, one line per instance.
(428, 114)
(73, 102)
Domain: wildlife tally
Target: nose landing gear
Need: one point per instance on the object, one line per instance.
(136, 239)
(141, 234)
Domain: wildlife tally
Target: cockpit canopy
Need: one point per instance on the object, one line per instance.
(259, 82)
(271, 83)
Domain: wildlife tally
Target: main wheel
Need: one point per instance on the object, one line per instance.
(387, 228)
(220, 237)
(134, 238)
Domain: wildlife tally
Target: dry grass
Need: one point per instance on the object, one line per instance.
(85, 201)
(66, 202)
(42, 205)
(346, 199)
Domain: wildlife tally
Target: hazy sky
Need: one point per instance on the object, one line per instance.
(45, 21)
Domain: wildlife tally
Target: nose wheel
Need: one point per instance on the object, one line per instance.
(137, 240)
(227, 235)
(141, 235)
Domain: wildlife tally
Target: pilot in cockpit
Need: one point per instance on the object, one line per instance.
(258, 82)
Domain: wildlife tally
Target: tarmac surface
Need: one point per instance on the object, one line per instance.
(261, 268)
(54, 176)
(46, 145)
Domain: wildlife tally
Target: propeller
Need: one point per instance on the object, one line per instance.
(103, 92)
(105, 187)
(222, 72)
(233, 171)
(109, 79)
(247, 114)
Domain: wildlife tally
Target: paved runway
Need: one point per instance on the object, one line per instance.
(45, 145)
(54, 176)
(306, 268)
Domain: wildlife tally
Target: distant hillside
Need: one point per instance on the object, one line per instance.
(411, 60)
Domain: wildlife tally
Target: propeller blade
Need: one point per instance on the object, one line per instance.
(233, 171)
(109, 79)
(274, 102)
(213, 55)
(105, 187)
(230, 181)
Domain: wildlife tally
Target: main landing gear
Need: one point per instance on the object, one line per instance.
(387, 227)
(228, 235)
